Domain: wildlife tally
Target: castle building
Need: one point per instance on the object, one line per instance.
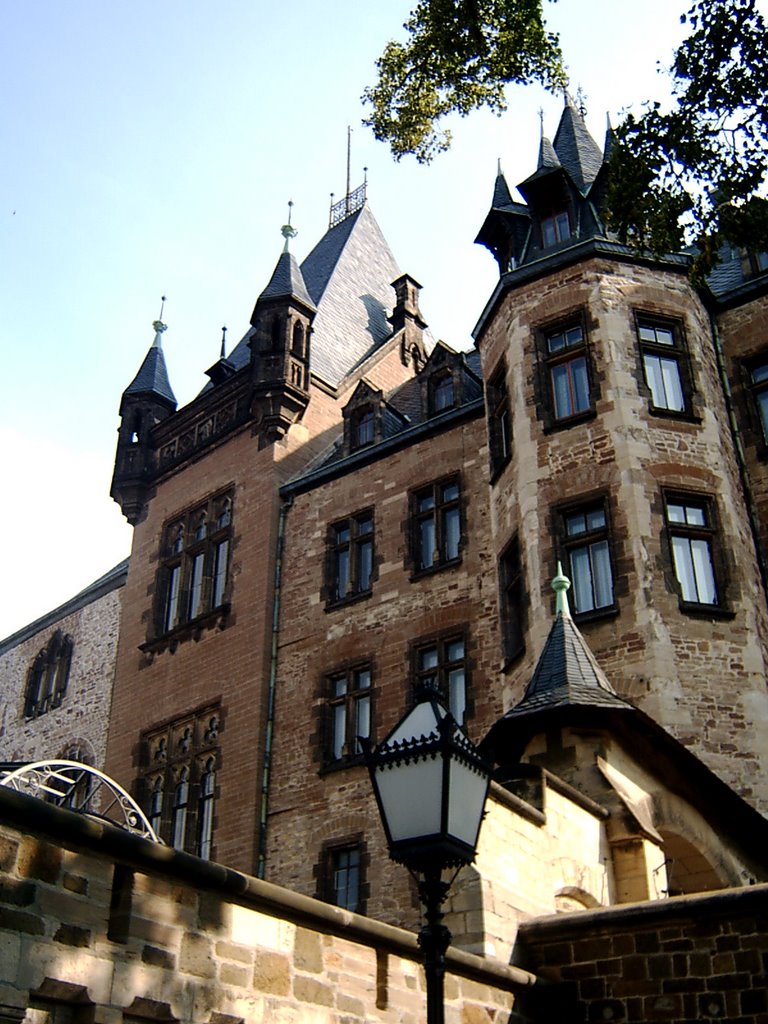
(349, 509)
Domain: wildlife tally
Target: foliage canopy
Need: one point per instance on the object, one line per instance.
(694, 174)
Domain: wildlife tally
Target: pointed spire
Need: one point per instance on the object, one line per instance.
(501, 194)
(152, 378)
(287, 280)
(567, 672)
(576, 150)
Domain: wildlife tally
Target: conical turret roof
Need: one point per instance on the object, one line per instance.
(287, 282)
(566, 672)
(576, 150)
(547, 156)
(152, 378)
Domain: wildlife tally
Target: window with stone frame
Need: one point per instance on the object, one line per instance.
(693, 542)
(342, 874)
(499, 419)
(350, 557)
(568, 373)
(48, 676)
(177, 780)
(757, 373)
(348, 715)
(586, 545)
(440, 664)
(194, 575)
(665, 364)
(436, 525)
(555, 227)
(512, 600)
(363, 428)
(441, 392)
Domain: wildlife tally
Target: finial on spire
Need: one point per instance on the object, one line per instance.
(223, 342)
(561, 584)
(288, 232)
(581, 102)
(158, 324)
(541, 121)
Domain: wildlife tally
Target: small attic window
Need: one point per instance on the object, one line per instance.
(441, 393)
(555, 228)
(363, 428)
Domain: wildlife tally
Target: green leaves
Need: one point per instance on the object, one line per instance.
(703, 163)
(693, 175)
(460, 56)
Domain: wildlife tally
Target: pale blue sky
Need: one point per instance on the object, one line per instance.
(150, 148)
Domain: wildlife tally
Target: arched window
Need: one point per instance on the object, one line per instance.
(48, 676)
(297, 343)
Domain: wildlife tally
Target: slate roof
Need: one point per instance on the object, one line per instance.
(152, 378)
(349, 276)
(287, 282)
(577, 151)
(567, 673)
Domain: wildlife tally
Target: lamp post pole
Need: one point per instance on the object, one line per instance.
(434, 940)
(430, 784)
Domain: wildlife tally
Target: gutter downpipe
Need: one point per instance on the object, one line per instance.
(740, 457)
(266, 769)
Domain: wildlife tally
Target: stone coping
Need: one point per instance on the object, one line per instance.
(81, 833)
(713, 905)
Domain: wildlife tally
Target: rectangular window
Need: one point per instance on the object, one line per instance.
(758, 378)
(342, 875)
(178, 780)
(195, 557)
(499, 420)
(568, 371)
(588, 558)
(351, 556)
(664, 364)
(512, 600)
(555, 228)
(348, 714)
(691, 538)
(436, 525)
(441, 393)
(441, 666)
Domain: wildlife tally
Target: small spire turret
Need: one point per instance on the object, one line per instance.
(146, 401)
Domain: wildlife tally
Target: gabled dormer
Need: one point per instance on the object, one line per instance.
(280, 349)
(369, 419)
(446, 381)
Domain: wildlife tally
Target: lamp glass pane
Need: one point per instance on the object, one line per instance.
(467, 800)
(410, 797)
(420, 721)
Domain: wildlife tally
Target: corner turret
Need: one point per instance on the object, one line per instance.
(280, 344)
(146, 401)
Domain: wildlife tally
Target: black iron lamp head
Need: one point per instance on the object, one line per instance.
(431, 785)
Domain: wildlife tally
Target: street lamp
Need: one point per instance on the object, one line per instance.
(430, 784)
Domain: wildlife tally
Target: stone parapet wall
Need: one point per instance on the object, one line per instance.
(120, 928)
(686, 959)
